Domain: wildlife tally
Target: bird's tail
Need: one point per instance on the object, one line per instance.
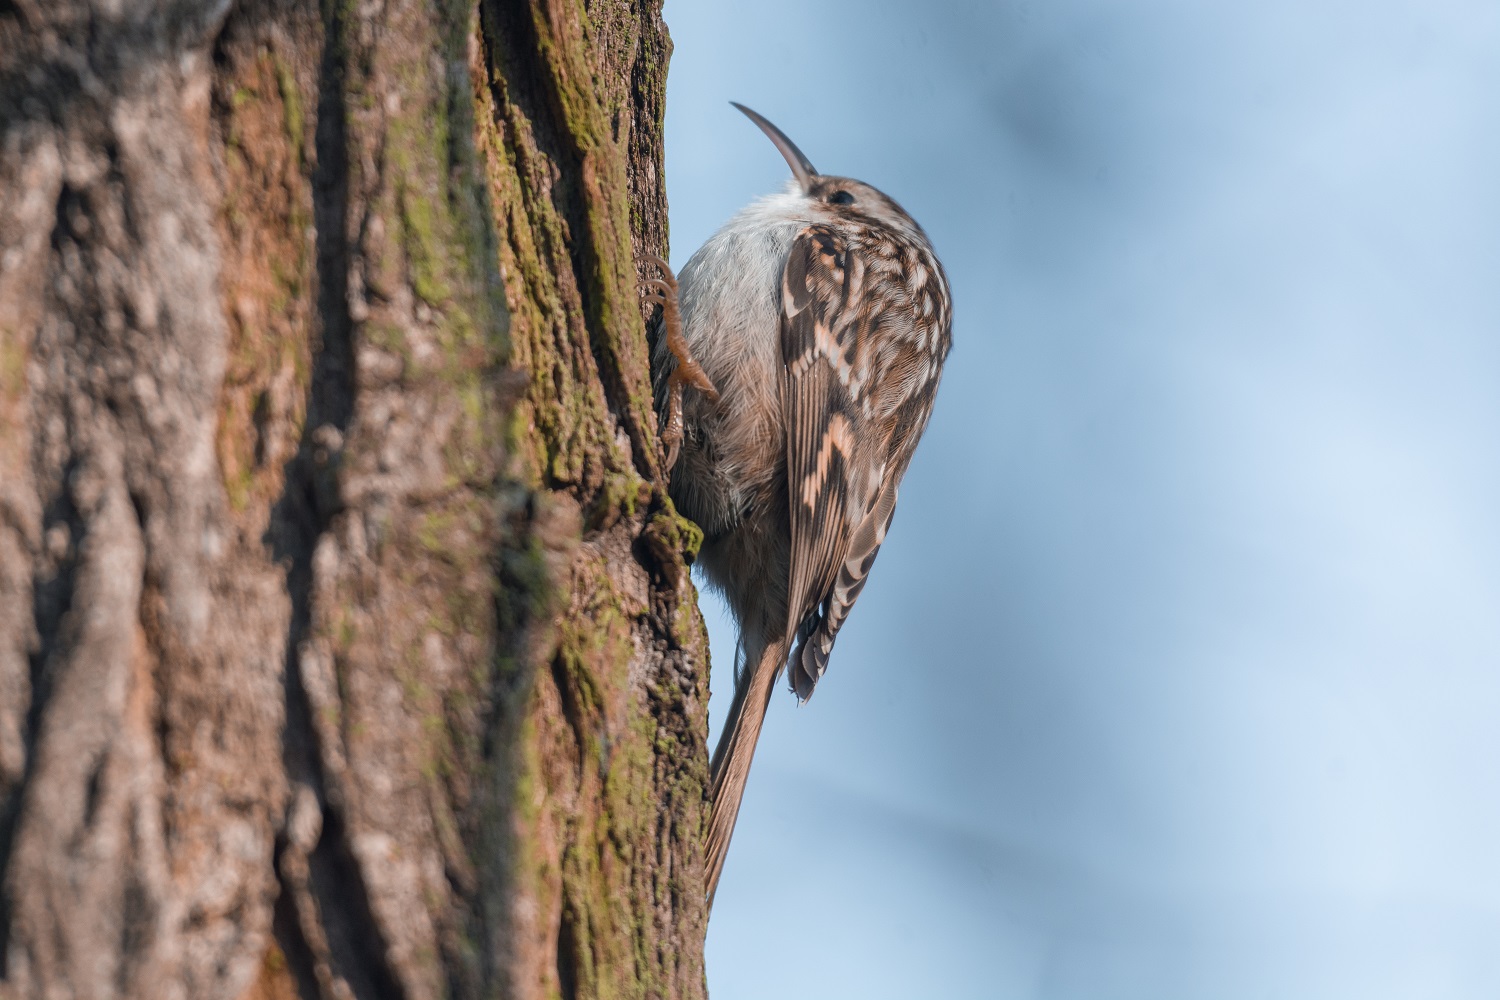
(731, 761)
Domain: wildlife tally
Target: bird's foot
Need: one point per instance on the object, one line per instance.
(663, 292)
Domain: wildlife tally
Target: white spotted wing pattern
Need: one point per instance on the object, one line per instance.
(865, 329)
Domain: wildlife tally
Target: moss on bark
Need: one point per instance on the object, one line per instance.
(411, 682)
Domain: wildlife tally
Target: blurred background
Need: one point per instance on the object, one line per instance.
(1179, 674)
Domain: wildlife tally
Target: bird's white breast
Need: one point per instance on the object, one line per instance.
(731, 311)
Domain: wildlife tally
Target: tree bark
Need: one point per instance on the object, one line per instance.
(347, 644)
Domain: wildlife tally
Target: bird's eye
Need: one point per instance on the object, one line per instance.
(841, 198)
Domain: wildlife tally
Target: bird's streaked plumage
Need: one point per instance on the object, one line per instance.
(822, 318)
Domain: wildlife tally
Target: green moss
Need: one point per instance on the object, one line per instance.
(421, 246)
(472, 398)
(620, 496)
(434, 532)
(12, 363)
(672, 537)
(291, 104)
(239, 487)
(345, 631)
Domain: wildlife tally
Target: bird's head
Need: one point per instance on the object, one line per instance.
(834, 199)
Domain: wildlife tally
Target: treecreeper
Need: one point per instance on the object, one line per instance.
(799, 357)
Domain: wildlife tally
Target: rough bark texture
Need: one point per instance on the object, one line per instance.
(347, 645)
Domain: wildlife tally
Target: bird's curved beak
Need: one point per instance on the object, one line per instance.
(802, 169)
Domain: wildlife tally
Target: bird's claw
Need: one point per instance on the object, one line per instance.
(663, 292)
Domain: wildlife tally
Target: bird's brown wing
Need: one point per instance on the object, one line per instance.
(856, 400)
(822, 415)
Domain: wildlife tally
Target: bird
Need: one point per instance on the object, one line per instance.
(797, 358)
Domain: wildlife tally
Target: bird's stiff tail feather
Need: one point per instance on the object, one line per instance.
(731, 761)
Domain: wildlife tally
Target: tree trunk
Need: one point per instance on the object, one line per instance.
(347, 645)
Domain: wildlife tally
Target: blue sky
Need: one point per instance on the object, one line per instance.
(1179, 674)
